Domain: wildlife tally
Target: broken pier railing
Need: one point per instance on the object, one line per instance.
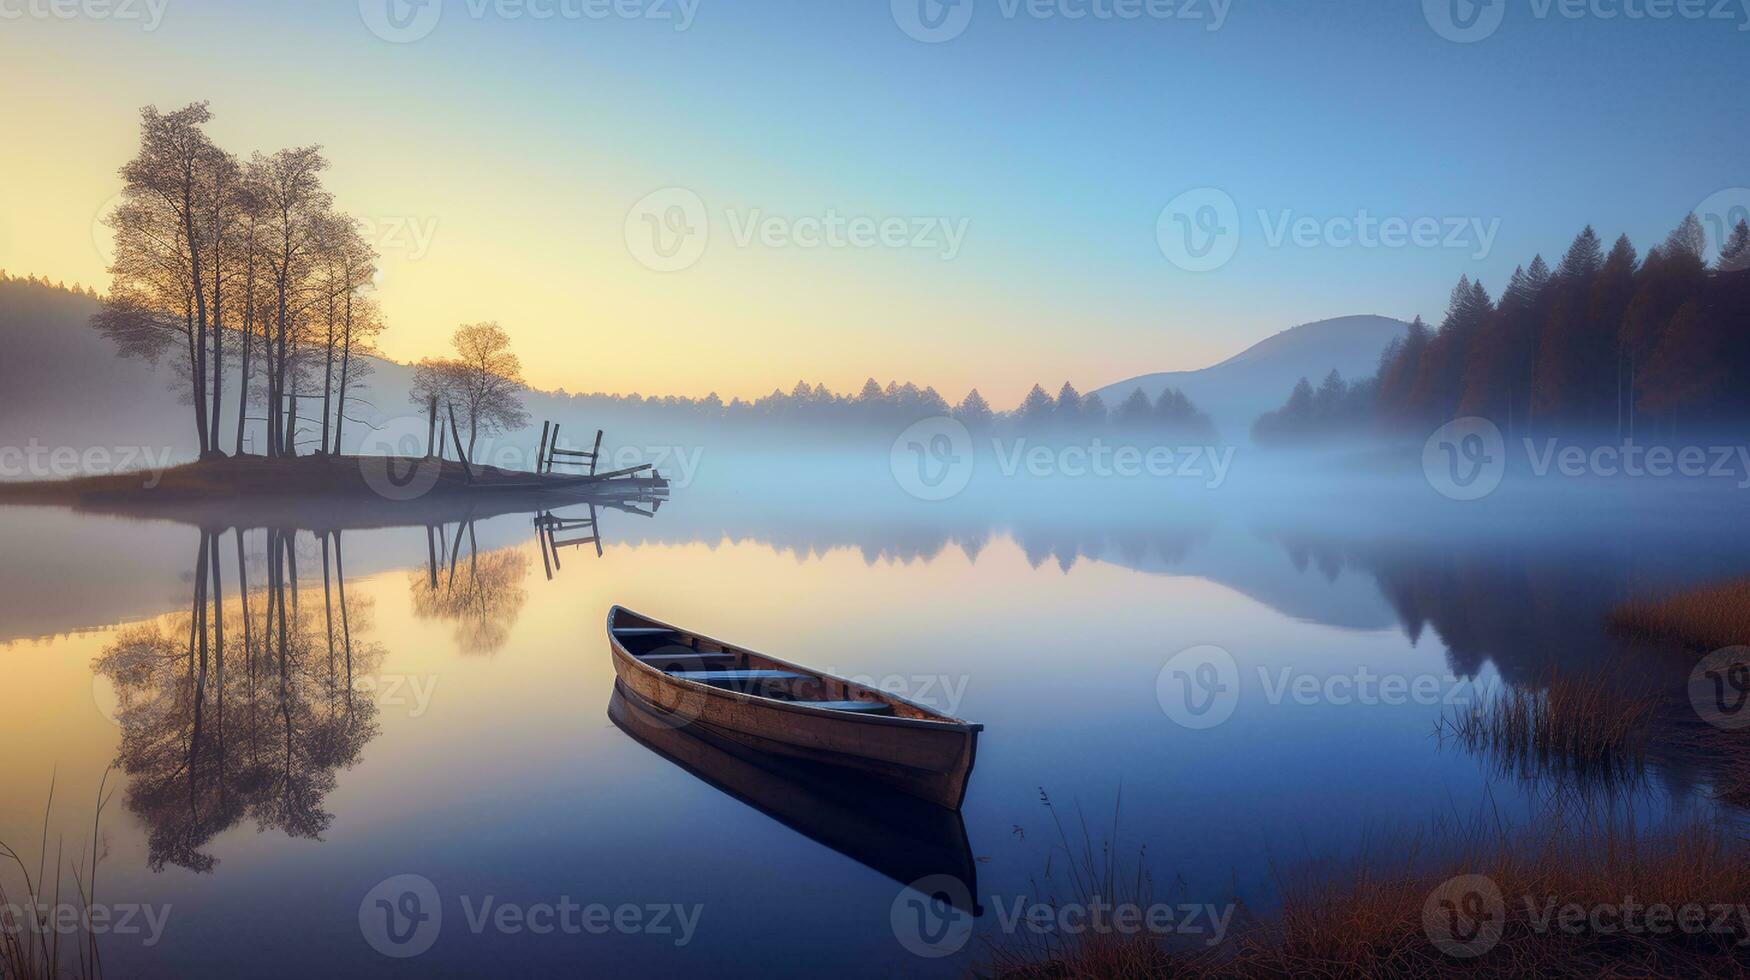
(550, 455)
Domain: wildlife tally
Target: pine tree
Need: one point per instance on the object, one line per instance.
(973, 410)
(1069, 405)
(1397, 378)
(1036, 408)
(1134, 410)
(1094, 411)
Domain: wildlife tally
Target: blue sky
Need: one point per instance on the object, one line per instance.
(1056, 142)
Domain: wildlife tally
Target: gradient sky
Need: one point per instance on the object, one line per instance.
(519, 146)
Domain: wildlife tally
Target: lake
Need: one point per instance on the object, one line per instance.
(437, 712)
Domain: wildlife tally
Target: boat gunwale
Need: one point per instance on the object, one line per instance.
(942, 722)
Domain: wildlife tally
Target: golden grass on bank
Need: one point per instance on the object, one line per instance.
(1705, 618)
(32, 947)
(1380, 916)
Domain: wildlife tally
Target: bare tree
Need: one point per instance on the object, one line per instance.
(294, 204)
(491, 380)
(482, 384)
(362, 323)
(169, 229)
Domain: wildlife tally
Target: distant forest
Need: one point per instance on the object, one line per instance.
(1608, 344)
(898, 405)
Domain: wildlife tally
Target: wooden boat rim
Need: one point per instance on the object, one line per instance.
(939, 723)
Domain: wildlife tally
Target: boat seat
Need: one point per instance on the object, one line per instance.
(684, 660)
(733, 677)
(864, 707)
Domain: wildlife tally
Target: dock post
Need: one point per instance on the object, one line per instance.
(595, 455)
(541, 453)
(555, 445)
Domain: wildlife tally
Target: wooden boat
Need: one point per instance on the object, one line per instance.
(902, 837)
(779, 707)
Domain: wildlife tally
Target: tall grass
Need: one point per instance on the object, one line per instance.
(1705, 618)
(1583, 725)
(31, 946)
(1370, 918)
(1087, 876)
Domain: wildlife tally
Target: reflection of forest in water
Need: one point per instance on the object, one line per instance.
(246, 706)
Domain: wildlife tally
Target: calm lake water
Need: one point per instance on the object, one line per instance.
(439, 706)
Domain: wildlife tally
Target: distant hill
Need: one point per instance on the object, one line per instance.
(1256, 380)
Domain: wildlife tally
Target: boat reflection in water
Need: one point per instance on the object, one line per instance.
(902, 837)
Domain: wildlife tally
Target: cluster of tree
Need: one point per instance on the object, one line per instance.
(1336, 408)
(1607, 342)
(482, 385)
(900, 405)
(215, 257)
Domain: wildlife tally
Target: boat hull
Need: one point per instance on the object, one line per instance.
(926, 758)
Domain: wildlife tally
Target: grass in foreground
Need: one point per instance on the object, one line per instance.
(1705, 618)
(1384, 917)
(31, 942)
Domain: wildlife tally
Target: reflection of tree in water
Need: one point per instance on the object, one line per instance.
(254, 720)
(1537, 613)
(482, 594)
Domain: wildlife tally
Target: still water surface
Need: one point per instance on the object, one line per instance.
(446, 696)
